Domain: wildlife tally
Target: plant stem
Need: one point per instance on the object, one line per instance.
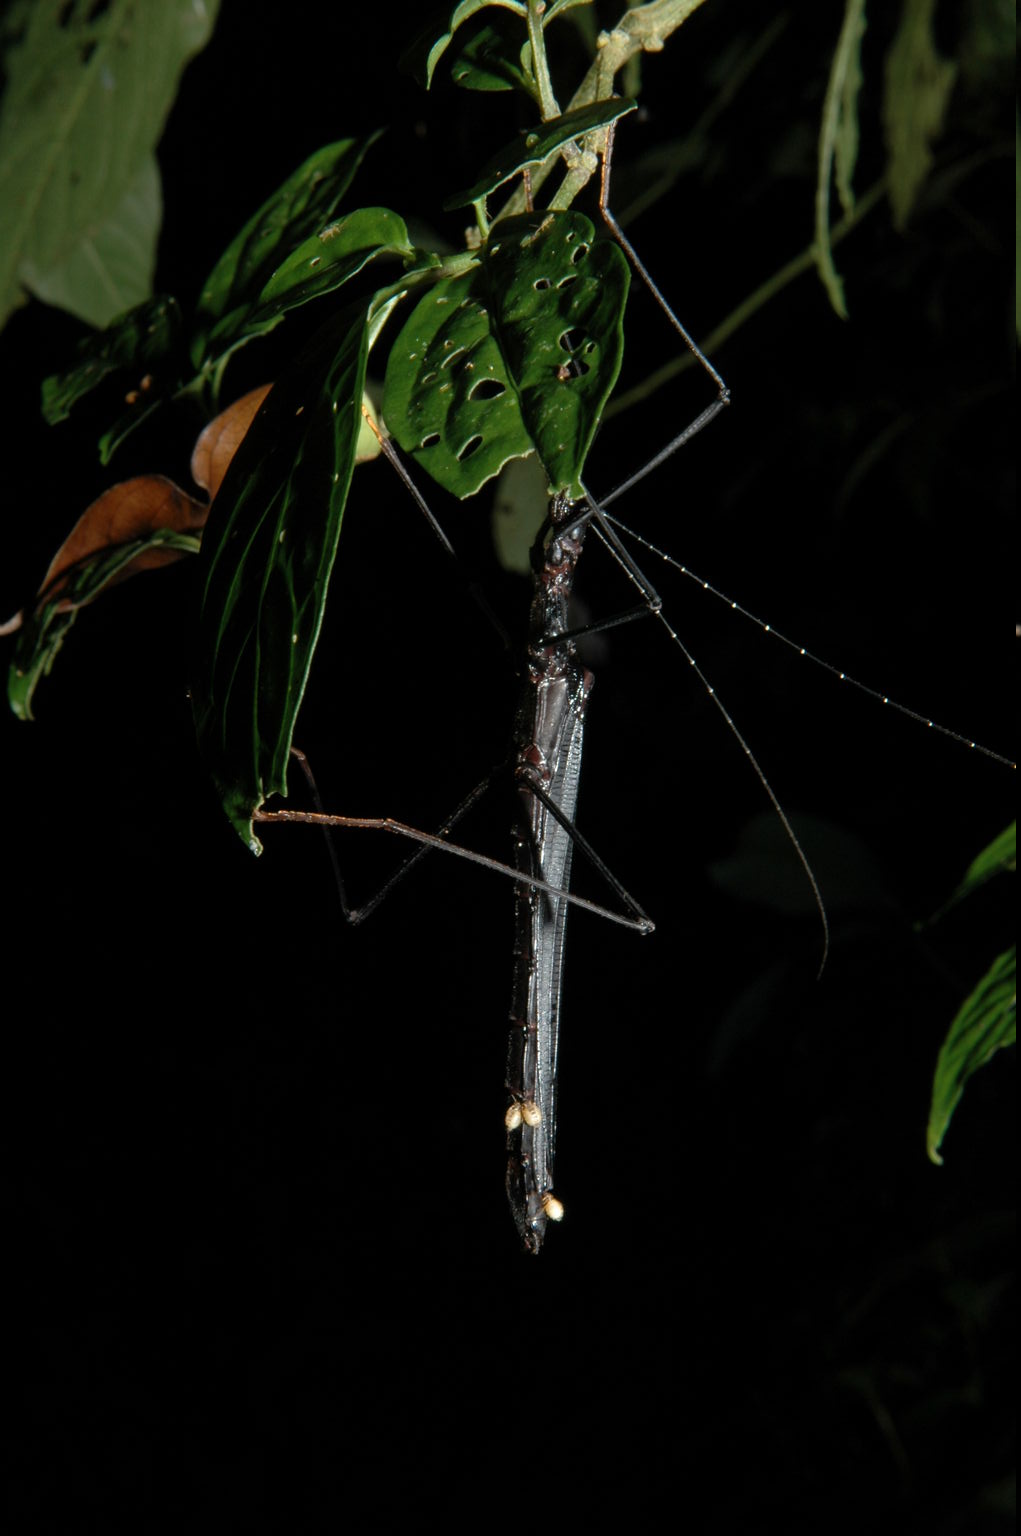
(643, 28)
(540, 64)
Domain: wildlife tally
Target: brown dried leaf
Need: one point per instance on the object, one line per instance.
(219, 442)
(138, 507)
(125, 512)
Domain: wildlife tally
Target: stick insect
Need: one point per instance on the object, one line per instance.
(265, 576)
(548, 741)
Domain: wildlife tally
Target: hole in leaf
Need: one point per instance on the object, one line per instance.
(565, 282)
(541, 283)
(487, 389)
(579, 255)
(574, 342)
(471, 446)
(430, 440)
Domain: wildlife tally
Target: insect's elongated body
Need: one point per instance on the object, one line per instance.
(548, 741)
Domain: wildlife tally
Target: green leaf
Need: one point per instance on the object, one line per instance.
(43, 631)
(136, 341)
(916, 91)
(558, 296)
(495, 59)
(320, 265)
(268, 552)
(999, 856)
(428, 48)
(112, 263)
(534, 145)
(838, 143)
(522, 352)
(447, 396)
(985, 1024)
(88, 91)
(295, 212)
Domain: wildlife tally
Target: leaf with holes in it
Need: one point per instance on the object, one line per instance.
(558, 297)
(447, 396)
(521, 353)
(268, 553)
(295, 212)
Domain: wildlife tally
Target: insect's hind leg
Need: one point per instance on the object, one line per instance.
(356, 915)
(636, 917)
(428, 841)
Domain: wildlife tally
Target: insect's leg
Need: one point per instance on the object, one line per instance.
(431, 840)
(639, 918)
(357, 915)
(469, 582)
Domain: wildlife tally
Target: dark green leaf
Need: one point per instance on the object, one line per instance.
(42, 633)
(135, 341)
(534, 145)
(557, 7)
(268, 552)
(423, 55)
(447, 396)
(320, 265)
(521, 353)
(986, 1022)
(494, 59)
(998, 857)
(128, 421)
(558, 295)
(295, 211)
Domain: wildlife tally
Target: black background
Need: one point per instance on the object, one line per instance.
(262, 1266)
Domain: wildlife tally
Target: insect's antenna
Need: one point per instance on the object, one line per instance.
(599, 526)
(800, 650)
(723, 393)
(474, 590)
